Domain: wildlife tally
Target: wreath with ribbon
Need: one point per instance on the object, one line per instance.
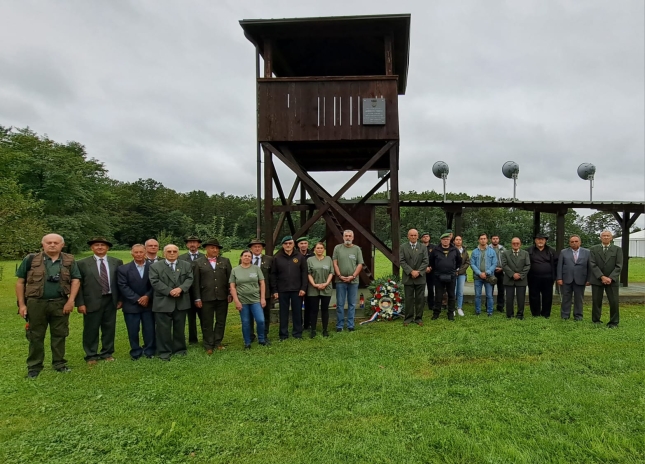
(386, 303)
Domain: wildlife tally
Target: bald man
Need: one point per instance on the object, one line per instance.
(171, 280)
(413, 257)
(47, 285)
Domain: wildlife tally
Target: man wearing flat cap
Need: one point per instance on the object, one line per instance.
(541, 276)
(192, 243)
(303, 247)
(211, 293)
(289, 283)
(264, 263)
(98, 300)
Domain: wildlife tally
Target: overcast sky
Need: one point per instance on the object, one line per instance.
(165, 89)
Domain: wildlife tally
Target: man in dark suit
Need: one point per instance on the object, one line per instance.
(425, 241)
(413, 257)
(572, 275)
(605, 264)
(136, 293)
(264, 263)
(445, 261)
(171, 280)
(98, 300)
(192, 243)
(544, 261)
(515, 265)
(211, 294)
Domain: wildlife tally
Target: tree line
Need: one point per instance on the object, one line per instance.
(48, 186)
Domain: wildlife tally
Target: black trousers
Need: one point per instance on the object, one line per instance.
(306, 317)
(103, 321)
(430, 286)
(500, 290)
(441, 287)
(512, 292)
(540, 296)
(572, 292)
(316, 302)
(213, 320)
(414, 302)
(597, 292)
(140, 322)
(192, 314)
(43, 313)
(290, 301)
(170, 329)
(267, 318)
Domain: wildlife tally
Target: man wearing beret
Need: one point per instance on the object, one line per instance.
(211, 293)
(541, 276)
(98, 300)
(303, 247)
(289, 283)
(264, 263)
(192, 243)
(171, 279)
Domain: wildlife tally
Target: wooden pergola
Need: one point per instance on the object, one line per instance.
(328, 101)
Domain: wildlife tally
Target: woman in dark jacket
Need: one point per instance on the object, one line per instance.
(461, 273)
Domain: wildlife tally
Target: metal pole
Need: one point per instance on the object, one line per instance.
(591, 189)
(514, 187)
(443, 176)
(258, 213)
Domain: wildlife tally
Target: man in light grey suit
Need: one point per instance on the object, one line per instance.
(171, 280)
(515, 266)
(572, 275)
(413, 257)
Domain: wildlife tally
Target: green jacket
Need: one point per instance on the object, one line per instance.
(91, 292)
(520, 265)
(607, 264)
(211, 284)
(413, 260)
(163, 280)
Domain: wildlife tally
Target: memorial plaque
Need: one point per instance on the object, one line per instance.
(373, 111)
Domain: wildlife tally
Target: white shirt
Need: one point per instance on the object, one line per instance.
(413, 245)
(258, 258)
(141, 268)
(170, 265)
(107, 267)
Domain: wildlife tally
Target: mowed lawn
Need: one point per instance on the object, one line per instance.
(476, 390)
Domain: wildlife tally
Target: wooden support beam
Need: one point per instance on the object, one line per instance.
(312, 220)
(559, 230)
(293, 208)
(268, 58)
(536, 223)
(395, 216)
(283, 200)
(285, 208)
(389, 66)
(449, 217)
(268, 202)
(316, 192)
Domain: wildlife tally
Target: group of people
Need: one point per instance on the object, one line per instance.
(158, 294)
(442, 269)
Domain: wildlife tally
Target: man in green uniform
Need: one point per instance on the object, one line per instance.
(605, 264)
(47, 286)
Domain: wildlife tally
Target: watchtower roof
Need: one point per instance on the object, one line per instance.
(334, 45)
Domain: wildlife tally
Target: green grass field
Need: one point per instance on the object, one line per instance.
(478, 390)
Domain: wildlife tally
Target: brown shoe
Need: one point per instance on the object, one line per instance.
(209, 352)
(92, 362)
(220, 348)
(109, 359)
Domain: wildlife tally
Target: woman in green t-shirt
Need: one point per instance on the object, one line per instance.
(321, 271)
(247, 290)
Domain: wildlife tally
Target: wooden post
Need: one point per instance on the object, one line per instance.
(268, 202)
(394, 205)
(624, 273)
(559, 230)
(449, 216)
(389, 68)
(458, 222)
(536, 223)
(268, 58)
(303, 199)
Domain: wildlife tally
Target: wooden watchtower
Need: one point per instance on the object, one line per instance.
(328, 101)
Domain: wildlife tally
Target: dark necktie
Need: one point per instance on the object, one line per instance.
(604, 249)
(515, 253)
(257, 261)
(105, 281)
(172, 267)
(193, 257)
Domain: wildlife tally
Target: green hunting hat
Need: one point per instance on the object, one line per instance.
(445, 236)
(99, 240)
(286, 238)
(256, 241)
(192, 238)
(212, 242)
